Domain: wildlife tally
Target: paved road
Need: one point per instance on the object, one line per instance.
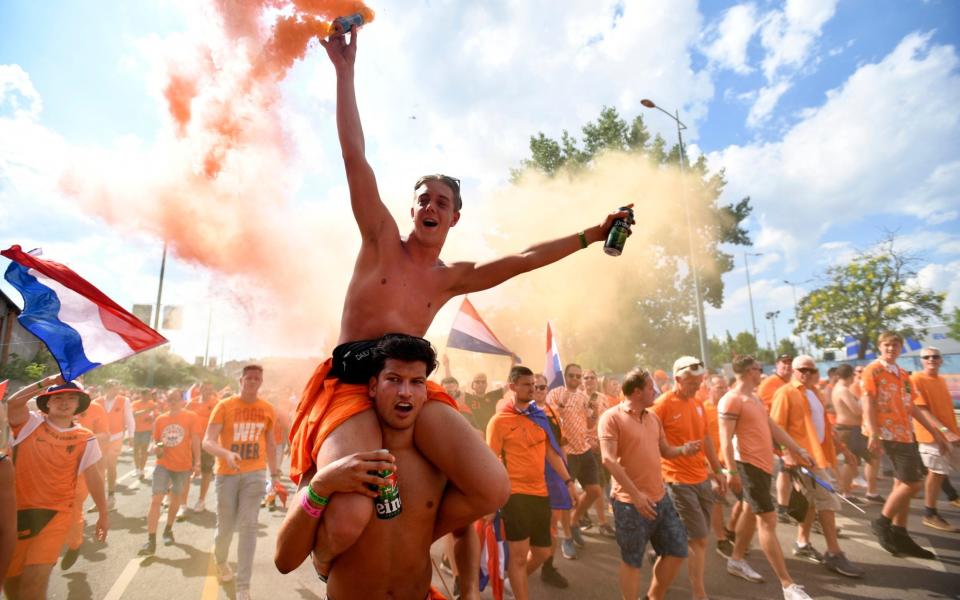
(185, 571)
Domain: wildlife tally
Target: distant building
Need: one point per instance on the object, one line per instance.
(14, 339)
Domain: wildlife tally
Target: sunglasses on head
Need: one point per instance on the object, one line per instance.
(807, 370)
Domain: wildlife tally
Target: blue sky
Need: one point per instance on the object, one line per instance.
(839, 119)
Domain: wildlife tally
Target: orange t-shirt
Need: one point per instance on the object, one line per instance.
(144, 412)
(894, 399)
(683, 421)
(932, 392)
(752, 441)
(245, 430)
(203, 410)
(768, 387)
(637, 437)
(713, 424)
(522, 446)
(49, 461)
(176, 431)
(791, 411)
(94, 419)
(115, 416)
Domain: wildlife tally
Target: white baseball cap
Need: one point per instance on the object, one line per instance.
(690, 364)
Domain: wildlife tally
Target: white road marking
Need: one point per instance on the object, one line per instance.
(126, 576)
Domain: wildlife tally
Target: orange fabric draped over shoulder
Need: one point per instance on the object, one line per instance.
(325, 405)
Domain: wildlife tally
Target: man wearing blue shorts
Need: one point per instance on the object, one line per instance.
(631, 443)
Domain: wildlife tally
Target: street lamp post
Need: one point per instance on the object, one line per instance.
(753, 319)
(701, 323)
(772, 317)
(793, 286)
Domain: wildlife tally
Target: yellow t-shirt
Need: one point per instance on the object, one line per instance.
(245, 430)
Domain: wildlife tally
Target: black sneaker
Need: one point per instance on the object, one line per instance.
(168, 537)
(875, 498)
(808, 552)
(905, 545)
(884, 535)
(148, 549)
(783, 517)
(731, 535)
(725, 548)
(838, 563)
(550, 576)
(69, 558)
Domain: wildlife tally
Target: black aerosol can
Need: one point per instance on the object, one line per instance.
(619, 233)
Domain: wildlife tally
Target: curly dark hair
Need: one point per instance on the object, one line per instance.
(407, 348)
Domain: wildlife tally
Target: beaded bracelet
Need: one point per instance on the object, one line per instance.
(309, 508)
(316, 498)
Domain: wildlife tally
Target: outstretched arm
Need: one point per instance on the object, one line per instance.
(373, 218)
(474, 277)
(17, 412)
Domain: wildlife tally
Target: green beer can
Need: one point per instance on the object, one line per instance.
(619, 233)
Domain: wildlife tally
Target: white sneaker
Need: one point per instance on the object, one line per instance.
(225, 573)
(859, 482)
(795, 592)
(111, 503)
(740, 568)
(199, 506)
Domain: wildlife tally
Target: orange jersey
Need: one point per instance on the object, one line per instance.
(713, 424)
(203, 410)
(94, 419)
(48, 462)
(683, 421)
(176, 431)
(118, 415)
(144, 412)
(522, 447)
(933, 394)
(894, 400)
(768, 387)
(245, 430)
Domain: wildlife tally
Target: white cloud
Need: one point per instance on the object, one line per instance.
(17, 92)
(788, 36)
(766, 101)
(887, 129)
(942, 278)
(728, 39)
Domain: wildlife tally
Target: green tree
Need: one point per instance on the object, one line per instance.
(872, 293)
(786, 346)
(744, 344)
(954, 324)
(654, 323)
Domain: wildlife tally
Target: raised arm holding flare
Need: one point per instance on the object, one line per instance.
(398, 285)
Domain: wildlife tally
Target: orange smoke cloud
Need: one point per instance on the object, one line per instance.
(216, 184)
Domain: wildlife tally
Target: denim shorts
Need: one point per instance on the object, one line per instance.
(665, 532)
(165, 480)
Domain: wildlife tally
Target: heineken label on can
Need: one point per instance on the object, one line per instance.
(619, 233)
(388, 502)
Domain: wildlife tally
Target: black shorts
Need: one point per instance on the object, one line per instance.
(855, 441)
(206, 461)
(907, 465)
(527, 517)
(756, 488)
(583, 468)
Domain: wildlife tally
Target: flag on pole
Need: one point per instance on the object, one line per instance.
(470, 333)
(552, 371)
(80, 325)
(493, 555)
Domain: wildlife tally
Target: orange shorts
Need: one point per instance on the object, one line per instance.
(325, 405)
(39, 540)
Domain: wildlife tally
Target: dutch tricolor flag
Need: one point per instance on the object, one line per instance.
(80, 325)
(470, 333)
(553, 371)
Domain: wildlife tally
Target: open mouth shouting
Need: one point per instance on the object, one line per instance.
(403, 407)
(430, 222)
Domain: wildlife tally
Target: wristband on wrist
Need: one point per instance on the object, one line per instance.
(316, 498)
(40, 383)
(311, 510)
(583, 239)
(729, 471)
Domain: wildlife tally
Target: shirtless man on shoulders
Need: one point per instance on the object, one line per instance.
(398, 285)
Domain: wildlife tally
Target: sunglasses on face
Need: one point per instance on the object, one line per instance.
(807, 370)
(931, 357)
